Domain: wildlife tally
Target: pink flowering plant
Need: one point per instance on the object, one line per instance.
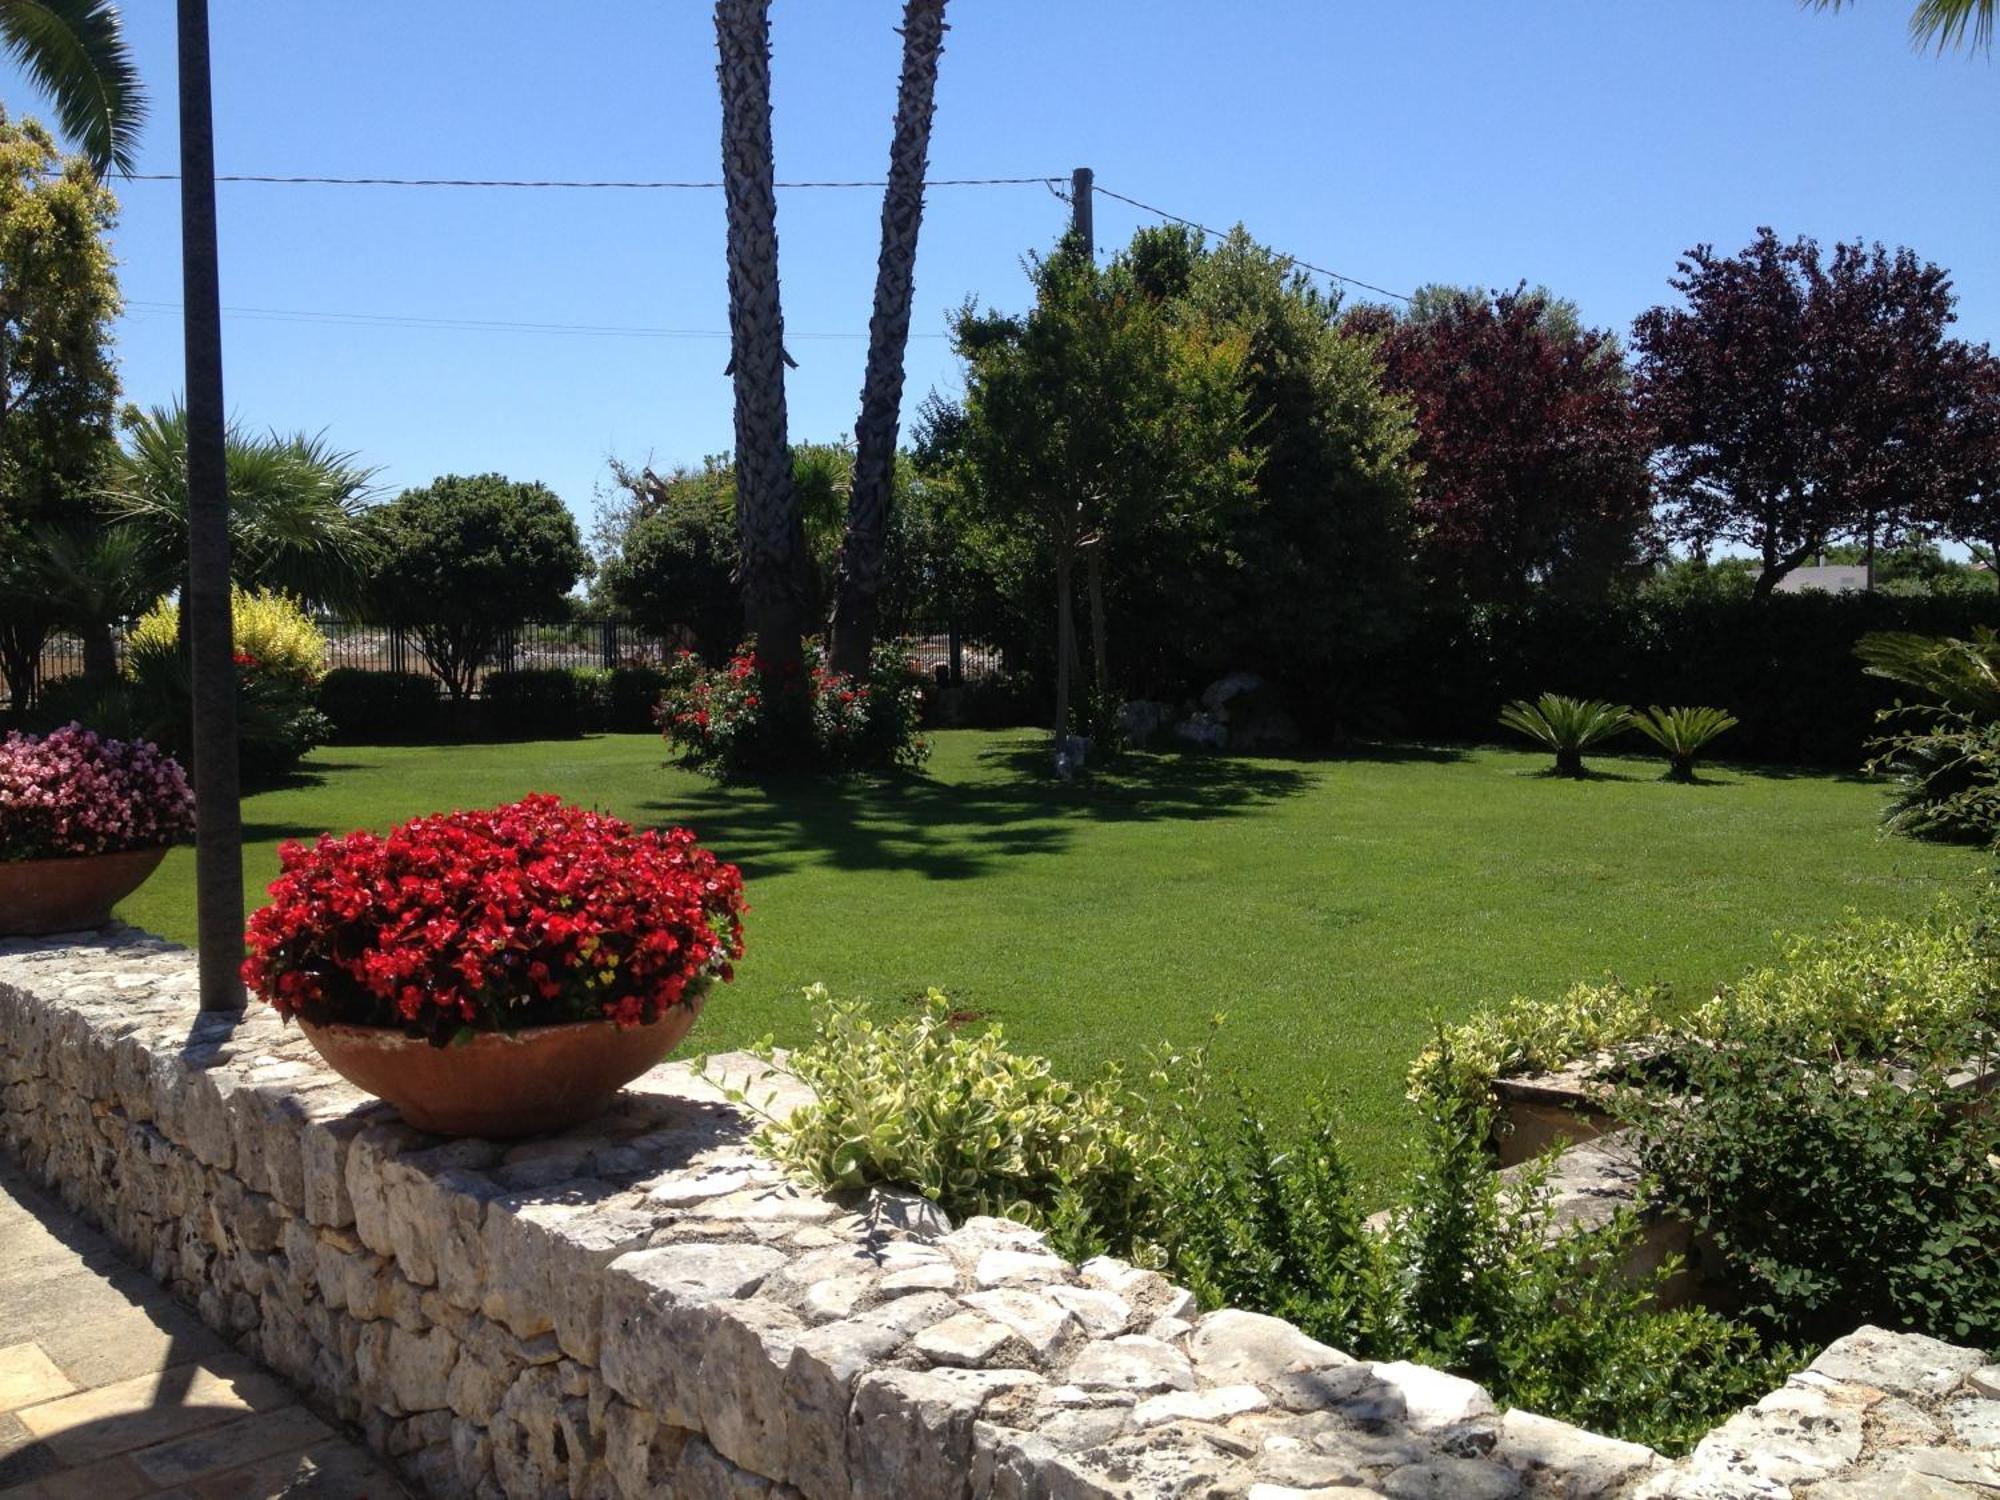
(73, 792)
(742, 717)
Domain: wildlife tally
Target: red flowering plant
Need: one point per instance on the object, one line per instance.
(72, 792)
(735, 718)
(531, 914)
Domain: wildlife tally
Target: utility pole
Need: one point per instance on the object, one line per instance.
(1081, 190)
(218, 858)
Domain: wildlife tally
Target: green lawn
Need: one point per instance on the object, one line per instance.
(1329, 906)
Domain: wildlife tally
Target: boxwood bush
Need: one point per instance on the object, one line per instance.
(379, 708)
(536, 703)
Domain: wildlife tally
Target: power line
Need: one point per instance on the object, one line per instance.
(1217, 234)
(485, 325)
(562, 182)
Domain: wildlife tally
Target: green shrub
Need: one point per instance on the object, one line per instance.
(635, 699)
(955, 1116)
(1469, 1273)
(1683, 733)
(1532, 1036)
(1836, 1192)
(1857, 988)
(379, 708)
(593, 690)
(1568, 726)
(536, 703)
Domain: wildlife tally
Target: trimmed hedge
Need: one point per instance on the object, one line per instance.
(1784, 667)
(634, 696)
(375, 708)
(542, 703)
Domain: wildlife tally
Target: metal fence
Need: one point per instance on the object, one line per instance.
(602, 641)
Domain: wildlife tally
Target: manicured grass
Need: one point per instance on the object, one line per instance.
(1329, 906)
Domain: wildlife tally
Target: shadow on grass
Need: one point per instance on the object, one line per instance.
(957, 831)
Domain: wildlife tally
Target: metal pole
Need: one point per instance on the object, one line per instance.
(218, 810)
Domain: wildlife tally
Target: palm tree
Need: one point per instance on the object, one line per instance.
(217, 783)
(771, 536)
(859, 579)
(297, 507)
(75, 49)
(1943, 24)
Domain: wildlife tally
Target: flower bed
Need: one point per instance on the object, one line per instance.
(743, 717)
(531, 914)
(72, 793)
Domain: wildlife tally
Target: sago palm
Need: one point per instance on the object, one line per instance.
(1683, 733)
(76, 51)
(1954, 676)
(1568, 726)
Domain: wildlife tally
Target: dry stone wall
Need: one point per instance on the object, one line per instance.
(645, 1307)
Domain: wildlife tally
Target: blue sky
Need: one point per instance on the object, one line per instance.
(1577, 143)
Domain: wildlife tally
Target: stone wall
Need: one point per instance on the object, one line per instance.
(645, 1307)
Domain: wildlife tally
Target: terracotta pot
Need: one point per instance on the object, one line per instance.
(501, 1083)
(67, 895)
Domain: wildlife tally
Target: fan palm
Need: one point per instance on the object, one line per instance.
(1683, 733)
(1568, 726)
(298, 507)
(1943, 24)
(76, 51)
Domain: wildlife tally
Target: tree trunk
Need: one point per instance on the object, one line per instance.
(1065, 642)
(1099, 657)
(770, 533)
(100, 655)
(218, 811)
(858, 578)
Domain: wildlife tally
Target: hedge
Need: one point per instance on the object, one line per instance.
(1785, 667)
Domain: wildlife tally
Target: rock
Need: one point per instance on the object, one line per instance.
(1203, 732)
(911, 1430)
(1217, 1404)
(1231, 1346)
(1141, 722)
(1101, 1313)
(1036, 1320)
(967, 1340)
(1251, 712)
(1792, 1437)
(1903, 1364)
(1452, 1479)
(1132, 1363)
(936, 1276)
(1018, 1267)
(1585, 1464)
(1953, 1465)
(1433, 1400)
(1975, 1421)
(1985, 1381)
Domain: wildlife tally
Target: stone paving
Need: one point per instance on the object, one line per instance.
(110, 1390)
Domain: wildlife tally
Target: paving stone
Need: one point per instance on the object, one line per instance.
(152, 1408)
(28, 1376)
(1132, 1363)
(286, 1430)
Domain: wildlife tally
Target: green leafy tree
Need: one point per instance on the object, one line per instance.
(76, 51)
(1092, 421)
(58, 388)
(465, 558)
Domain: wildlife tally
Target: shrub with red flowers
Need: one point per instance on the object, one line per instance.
(73, 792)
(737, 718)
(530, 914)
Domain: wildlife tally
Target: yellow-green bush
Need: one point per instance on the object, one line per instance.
(1854, 990)
(267, 625)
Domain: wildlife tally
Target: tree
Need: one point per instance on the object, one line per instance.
(769, 532)
(1314, 572)
(1533, 463)
(58, 387)
(466, 558)
(859, 577)
(667, 558)
(1090, 421)
(1943, 24)
(1971, 512)
(76, 51)
(298, 507)
(1797, 403)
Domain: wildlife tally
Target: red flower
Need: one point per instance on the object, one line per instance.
(527, 914)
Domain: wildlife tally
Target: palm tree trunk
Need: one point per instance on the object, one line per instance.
(770, 533)
(858, 579)
(218, 812)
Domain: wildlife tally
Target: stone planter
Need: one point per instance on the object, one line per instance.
(1534, 1113)
(68, 895)
(502, 1084)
